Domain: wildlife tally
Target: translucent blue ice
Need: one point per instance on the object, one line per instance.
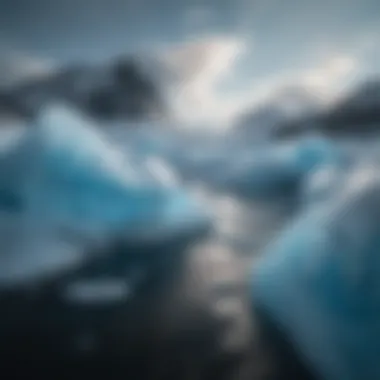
(272, 168)
(73, 182)
(320, 281)
(75, 177)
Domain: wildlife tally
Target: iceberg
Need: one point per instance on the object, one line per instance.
(76, 186)
(321, 184)
(274, 168)
(319, 281)
(71, 175)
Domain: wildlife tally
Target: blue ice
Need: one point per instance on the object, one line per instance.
(320, 280)
(70, 178)
(273, 168)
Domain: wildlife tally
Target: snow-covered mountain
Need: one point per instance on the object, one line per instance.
(290, 103)
(120, 88)
(356, 113)
(16, 68)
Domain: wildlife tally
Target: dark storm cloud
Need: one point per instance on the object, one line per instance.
(285, 33)
(70, 28)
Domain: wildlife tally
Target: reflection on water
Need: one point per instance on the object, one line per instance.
(246, 226)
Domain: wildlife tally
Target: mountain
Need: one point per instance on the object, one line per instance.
(16, 68)
(290, 103)
(357, 112)
(122, 88)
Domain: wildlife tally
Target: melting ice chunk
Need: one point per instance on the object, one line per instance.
(70, 178)
(320, 280)
(74, 176)
(273, 168)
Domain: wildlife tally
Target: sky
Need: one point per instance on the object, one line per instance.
(227, 52)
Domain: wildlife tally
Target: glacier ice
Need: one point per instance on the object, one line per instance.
(74, 183)
(253, 170)
(320, 185)
(31, 250)
(273, 168)
(75, 178)
(319, 280)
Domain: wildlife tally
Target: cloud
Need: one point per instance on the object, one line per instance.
(204, 61)
(366, 49)
(199, 68)
(328, 79)
(198, 17)
(16, 67)
(324, 82)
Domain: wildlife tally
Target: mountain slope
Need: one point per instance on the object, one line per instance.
(117, 89)
(356, 113)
